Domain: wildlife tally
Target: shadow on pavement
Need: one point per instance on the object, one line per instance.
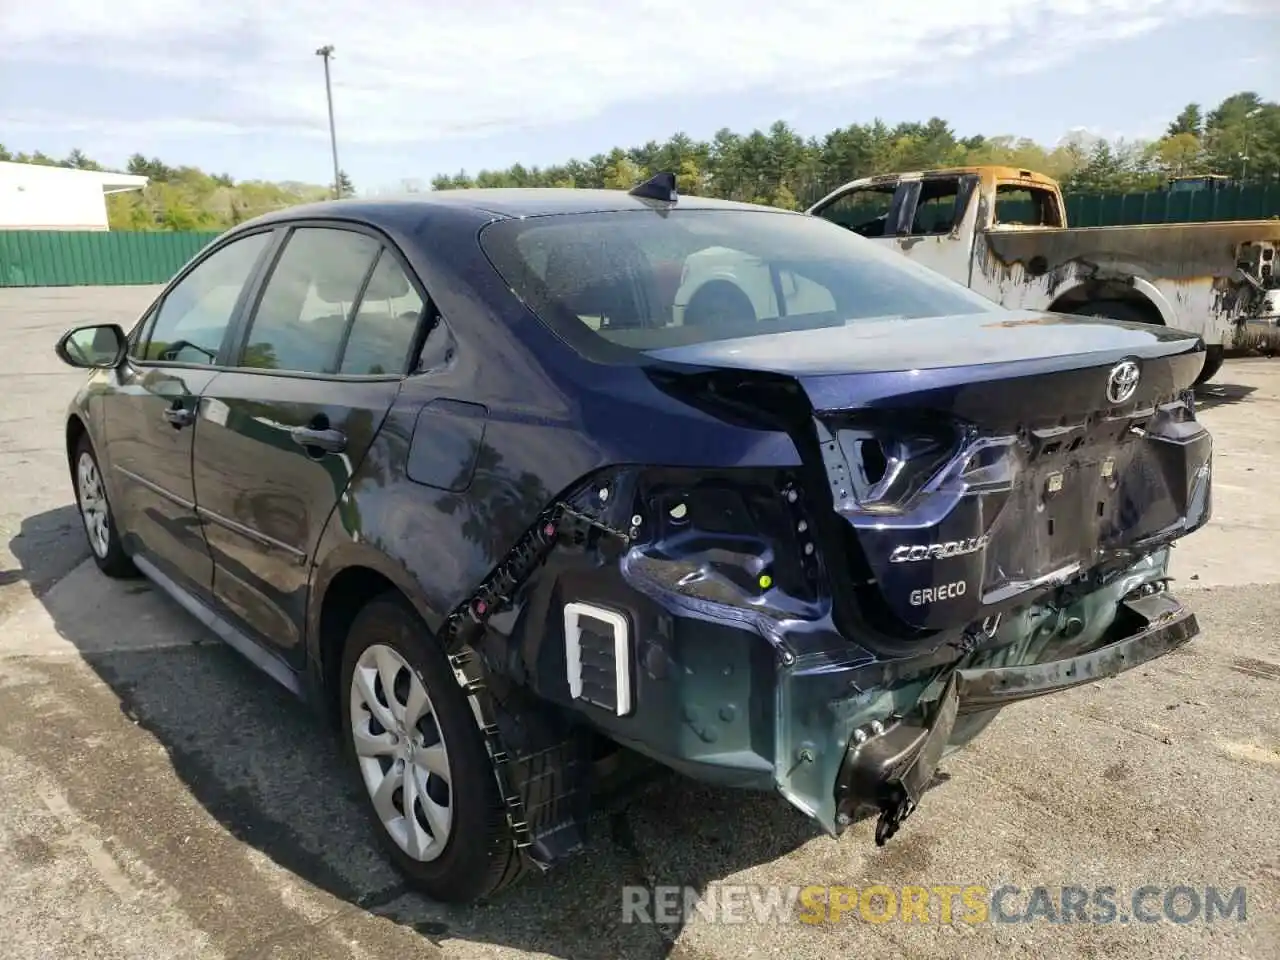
(260, 763)
(1210, 395)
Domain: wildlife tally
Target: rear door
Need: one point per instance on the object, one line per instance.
(320, 360)
(150, 418)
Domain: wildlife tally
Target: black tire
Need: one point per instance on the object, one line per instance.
(1119, 310)
(1215, 356)
(479, 857)
(1112, 309)
(112, 560)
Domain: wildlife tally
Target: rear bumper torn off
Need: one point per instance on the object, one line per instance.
(1168, 624)
(889, 772)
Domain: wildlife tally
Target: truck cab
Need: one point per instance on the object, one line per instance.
(935, 216)
(1002, 231)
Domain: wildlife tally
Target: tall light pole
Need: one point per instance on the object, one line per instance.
(1248, 128)
(326, 52)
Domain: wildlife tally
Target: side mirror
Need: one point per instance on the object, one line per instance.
(97, 347)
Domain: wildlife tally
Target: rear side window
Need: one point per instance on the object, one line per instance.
(1023, 206)
(385, 322)
(648, 280)
(302, 316)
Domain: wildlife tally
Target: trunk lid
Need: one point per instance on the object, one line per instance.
(977, 462)
(943, 345)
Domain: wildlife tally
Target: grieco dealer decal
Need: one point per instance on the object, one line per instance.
(938, 551)
(946, 591)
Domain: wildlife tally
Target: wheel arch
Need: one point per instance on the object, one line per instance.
(75, 429)
(1136, 291)
(340, 588)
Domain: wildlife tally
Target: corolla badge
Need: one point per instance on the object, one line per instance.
(1122, 381)
(939, 551)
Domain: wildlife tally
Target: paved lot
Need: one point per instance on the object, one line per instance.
(160, 799)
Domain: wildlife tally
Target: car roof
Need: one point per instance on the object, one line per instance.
(491, 203)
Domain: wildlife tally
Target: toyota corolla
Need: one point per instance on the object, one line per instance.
(510, 485)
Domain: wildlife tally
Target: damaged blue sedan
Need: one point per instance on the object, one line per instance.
(521, 489)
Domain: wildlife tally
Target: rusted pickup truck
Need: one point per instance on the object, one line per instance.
(1003, 232)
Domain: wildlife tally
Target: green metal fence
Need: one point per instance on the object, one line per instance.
(67, 258)
(1158, 206)
(1257, 202)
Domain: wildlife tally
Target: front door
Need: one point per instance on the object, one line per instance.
(321, 362)
(872, 210)
(940, 214)
(930, 219)
(150, 419)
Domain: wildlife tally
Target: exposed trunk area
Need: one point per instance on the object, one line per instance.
(958, 492)
(969, 497)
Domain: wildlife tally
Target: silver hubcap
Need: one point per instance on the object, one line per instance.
(93, 505)
(402, 755)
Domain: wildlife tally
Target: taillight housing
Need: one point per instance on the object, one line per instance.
(879, 466)
(733, 537)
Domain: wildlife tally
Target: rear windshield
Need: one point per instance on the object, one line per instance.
(649, 280)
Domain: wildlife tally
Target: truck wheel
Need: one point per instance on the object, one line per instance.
(1119, 310)
(1215, 354)
(1112, 310)
(411, 736)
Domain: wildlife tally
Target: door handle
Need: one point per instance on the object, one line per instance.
(180, 417)
(330, 441)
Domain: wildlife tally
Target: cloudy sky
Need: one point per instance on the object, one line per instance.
(424, 86)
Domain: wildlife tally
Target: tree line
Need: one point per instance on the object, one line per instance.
(1239, 138)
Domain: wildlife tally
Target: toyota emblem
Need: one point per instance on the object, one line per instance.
(1122, 382)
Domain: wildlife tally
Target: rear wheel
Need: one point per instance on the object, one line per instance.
(421, 759)
(1214, 357)
(1113, 310)
(1120, 310)
(95, 513)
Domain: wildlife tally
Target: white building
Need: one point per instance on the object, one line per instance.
(36, 197)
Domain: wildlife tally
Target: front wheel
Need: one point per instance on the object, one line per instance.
(96, 515)
(412, 737)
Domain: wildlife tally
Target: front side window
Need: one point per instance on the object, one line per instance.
(737, 273)
(308, 300)
(193, 317)
(864, 210)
